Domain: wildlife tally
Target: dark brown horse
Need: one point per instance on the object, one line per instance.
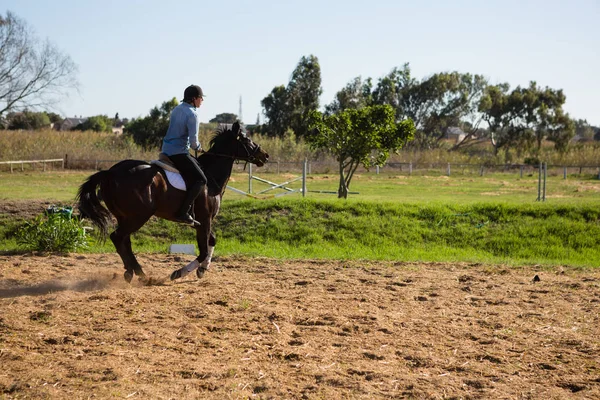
(134, 191)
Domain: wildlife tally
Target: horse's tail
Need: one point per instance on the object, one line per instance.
(89, 204)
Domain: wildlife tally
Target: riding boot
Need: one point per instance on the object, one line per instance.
(183, 215)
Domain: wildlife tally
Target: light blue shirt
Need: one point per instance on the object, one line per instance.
(183, 131)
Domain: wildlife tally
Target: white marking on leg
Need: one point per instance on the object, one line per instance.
(189, 268)
(206, 263)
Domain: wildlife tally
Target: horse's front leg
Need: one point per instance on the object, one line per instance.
(202, 262)
(205, 265)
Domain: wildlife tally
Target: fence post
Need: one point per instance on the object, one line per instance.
(448, 169)
(377, 170)
(410, 168)
(66, 161)
(304, 178)
(22, 166)
(249, 177)
(11, 168)
(539, 182)
(544, 189)
(277, 167)
(564, 172)
(481, 171)
(521, 172)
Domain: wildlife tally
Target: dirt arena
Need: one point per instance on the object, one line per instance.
(70, 327)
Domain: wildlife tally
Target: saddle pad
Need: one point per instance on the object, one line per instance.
(176, 180)
(173, 176)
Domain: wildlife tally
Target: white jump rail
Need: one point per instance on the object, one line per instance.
(283, 186)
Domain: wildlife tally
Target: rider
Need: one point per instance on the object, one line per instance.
(181, 135)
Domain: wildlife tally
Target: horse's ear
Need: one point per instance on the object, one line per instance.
(236, 127)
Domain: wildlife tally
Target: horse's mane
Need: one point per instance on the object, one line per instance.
(221, 132)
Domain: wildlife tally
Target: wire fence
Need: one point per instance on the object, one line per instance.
(327, 167)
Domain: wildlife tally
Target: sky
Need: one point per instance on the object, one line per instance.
(133, 55)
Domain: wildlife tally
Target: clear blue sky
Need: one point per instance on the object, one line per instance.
(133, 55)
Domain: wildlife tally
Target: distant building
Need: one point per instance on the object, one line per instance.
(455, 133)
(69, 123)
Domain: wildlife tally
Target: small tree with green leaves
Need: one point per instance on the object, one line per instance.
(356, 137)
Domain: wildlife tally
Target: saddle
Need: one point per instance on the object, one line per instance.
(173, 175)
(165, 163)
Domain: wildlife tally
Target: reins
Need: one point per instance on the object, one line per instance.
(249, 159)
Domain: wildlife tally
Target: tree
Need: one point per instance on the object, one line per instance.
(149, 131)
(522, 118)
(97, 123)
(276, 111)
(32, 74)
(54, 117)
(596, 132)
(225, 118)
(356, 94)
(28, 120)
(393, 88)
(443, 101)
(435, 104)
(358, 136)
(584, 130)
(289, 107)
(304, 91)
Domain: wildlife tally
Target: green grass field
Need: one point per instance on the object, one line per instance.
(490, 219)
(439, 189)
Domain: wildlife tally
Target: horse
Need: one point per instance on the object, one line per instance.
(133, 191)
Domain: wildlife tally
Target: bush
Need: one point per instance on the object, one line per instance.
(56, 230)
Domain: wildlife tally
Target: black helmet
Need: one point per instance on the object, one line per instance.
(192, 91)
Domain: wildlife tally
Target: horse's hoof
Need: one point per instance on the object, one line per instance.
(128, 275)
(200, 272)
(176, 275)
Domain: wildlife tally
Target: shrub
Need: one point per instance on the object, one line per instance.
(53, 231)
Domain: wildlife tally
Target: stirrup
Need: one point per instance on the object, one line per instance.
(187, 220)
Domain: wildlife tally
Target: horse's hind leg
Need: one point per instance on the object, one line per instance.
(121, 238)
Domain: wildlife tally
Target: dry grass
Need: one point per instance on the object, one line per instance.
(71, 328)
(47, 144)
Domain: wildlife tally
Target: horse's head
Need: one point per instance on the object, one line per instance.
(231, 140)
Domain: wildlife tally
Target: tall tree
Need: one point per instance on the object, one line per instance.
(276, 111)
(304, 91)
(288, 107)
(33, 74)
(364, 136)
(356, 94)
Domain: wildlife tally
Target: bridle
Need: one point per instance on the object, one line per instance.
(250, 158)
